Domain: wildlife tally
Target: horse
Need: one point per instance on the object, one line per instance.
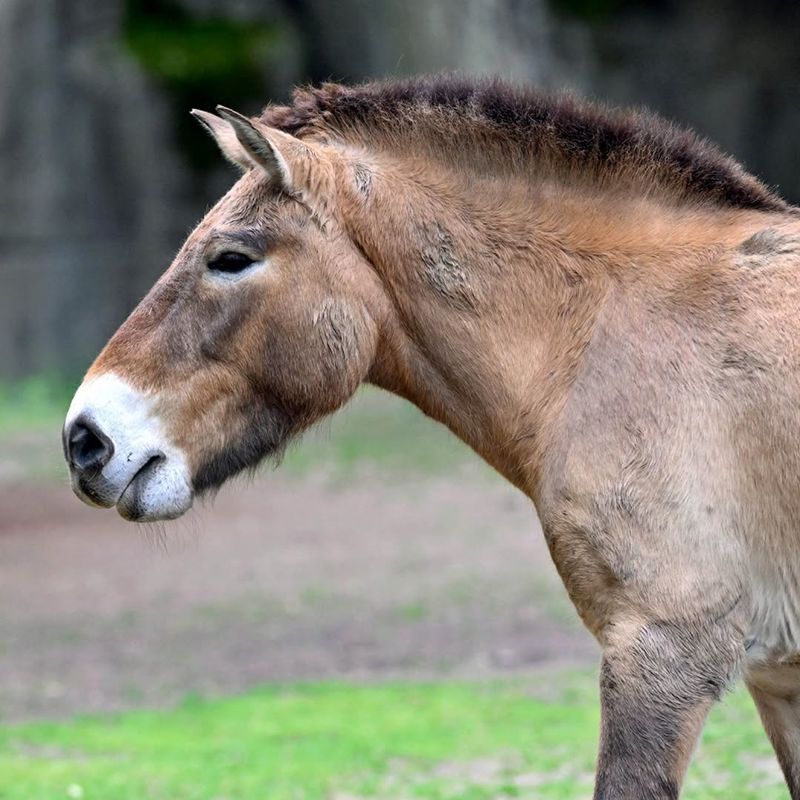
(605, 307)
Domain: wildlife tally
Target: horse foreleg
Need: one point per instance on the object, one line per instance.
(658, 683)
(776, 691)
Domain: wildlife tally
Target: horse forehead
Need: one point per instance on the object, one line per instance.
(245, 203)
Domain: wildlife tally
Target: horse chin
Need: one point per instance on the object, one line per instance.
(226, 466)
(157, 492)
(266, 438)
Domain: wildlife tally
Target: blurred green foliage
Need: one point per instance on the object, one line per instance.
(183, 50)
(200, 61)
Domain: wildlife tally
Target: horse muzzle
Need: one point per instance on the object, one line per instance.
(119, 455)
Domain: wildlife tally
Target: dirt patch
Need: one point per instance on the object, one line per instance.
(282, 579)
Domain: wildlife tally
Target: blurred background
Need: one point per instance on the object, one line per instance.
(383, 549)
(104, 171)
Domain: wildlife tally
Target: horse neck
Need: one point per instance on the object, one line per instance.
(495, 289)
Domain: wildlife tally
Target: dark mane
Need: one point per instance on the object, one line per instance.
(446, 112)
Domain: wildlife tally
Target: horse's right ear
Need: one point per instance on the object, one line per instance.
(225, 137)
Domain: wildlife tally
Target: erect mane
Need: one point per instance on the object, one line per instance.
(451, 114)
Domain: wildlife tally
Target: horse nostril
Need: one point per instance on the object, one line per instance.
(88, 448)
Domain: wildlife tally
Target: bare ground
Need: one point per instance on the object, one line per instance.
(286, 578)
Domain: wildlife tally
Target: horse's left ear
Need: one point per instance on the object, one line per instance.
(284, 157)
(225, 138)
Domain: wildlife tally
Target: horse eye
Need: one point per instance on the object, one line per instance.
(230, 262)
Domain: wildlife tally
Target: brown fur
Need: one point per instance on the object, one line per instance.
(604, 308)
(462, 118)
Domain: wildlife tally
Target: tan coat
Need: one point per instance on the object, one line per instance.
(606, 309)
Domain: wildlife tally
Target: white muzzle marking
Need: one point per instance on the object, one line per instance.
(147, 477)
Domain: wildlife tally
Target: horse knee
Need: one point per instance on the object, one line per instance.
(689, 662)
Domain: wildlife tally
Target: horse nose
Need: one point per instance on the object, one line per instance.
(87, 448)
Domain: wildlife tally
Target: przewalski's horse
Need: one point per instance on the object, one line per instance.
(605, 308)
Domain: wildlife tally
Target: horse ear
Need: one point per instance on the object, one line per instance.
(225, 137)
(282, 156)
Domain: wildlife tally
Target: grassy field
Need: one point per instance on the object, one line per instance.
(34, 403)
(524, 739)
(531, 737)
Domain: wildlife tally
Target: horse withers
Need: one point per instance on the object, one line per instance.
(604, 307)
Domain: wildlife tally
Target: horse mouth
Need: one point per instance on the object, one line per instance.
(155, 492)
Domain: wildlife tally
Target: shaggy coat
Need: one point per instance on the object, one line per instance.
(604, 307)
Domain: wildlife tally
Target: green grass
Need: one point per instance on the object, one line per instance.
(35, 403)
(379, 431)
(532, 739)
